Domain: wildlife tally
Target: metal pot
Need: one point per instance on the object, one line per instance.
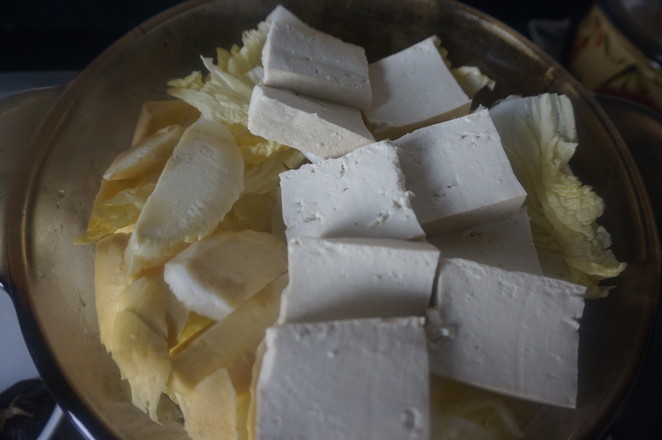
(51, 279)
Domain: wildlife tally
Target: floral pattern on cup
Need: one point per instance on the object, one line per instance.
(606, 62)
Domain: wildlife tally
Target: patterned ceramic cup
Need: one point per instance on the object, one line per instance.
(616, 50)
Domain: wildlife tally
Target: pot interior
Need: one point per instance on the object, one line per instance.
(94, 120)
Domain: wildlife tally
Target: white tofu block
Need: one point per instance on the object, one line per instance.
(302, 59)
(283, 15)
(321, 128)
(356, 379)
(334, 279)
(460, 174)
(507, 244)
(510, 332)
(411, 89)
(361, 194)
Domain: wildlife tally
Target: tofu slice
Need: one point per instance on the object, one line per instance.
(315, 64)
(510, 332)
(283, 15)
(507, 244)
(460, 174)
(411, 89)
(355, 379)
(361, 194)
(342, 278)
(321, 128)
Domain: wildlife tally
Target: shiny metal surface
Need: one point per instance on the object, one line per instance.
(52, 279)
(20, 116)
(642, 131)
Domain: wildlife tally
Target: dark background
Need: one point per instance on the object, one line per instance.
(68, 34)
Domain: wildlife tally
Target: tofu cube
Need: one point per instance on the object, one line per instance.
(302, 59)
(510, 332)
(355, 379)
(321, 128)
(334, 279)
(411, 89)
(460, 174)
(361, 194)
(507, 244)
(283, 15)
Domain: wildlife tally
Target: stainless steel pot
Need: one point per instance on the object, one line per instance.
(51, 279)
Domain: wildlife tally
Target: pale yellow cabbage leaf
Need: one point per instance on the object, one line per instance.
(141, 354)
(255, 149)
(129, 180)
(213, 98)
(116, 213)
(198, 186)
(470, 78)
(264, 177)
(539, 136)
(253, 212)
(245, 59)
(224, 93)
(145, 157)
(210, 409)
(462, 412)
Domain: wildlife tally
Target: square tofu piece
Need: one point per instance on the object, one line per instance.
(304, 60)
(355, 379)
(283, 15)
(507, 244)
(510, 332)
(357, 278)
(460, 174)
(321, 128)
(361, 194)
(411, 89)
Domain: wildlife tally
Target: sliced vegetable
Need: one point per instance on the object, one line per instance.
(539, 136)
(210, 408)
(230, 343)
(148, 155)
(155, 115)
(226, 92)
(109, 282)
(199, 184)
(461, 412)
(214, 276)
(117, 213)
(141, 353)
